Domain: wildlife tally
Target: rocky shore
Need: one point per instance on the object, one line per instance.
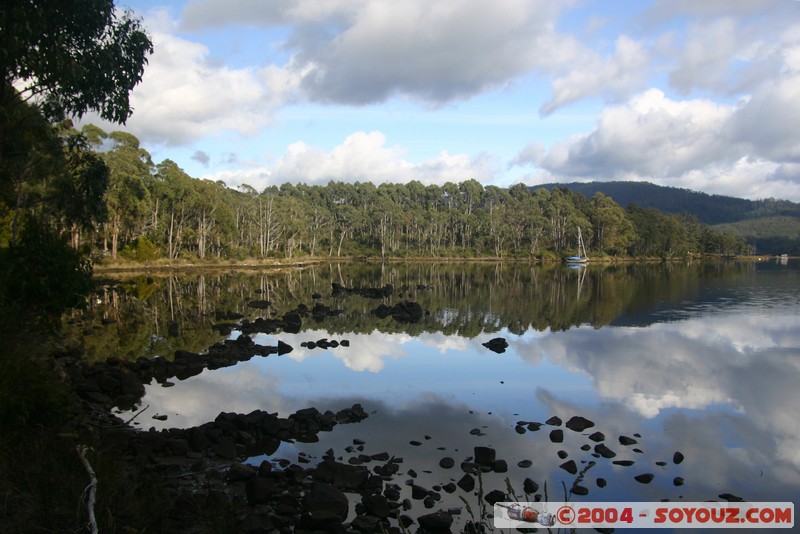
(214, 466)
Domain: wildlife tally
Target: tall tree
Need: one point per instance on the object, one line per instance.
(71, 56)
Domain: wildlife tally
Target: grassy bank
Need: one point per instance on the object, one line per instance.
(122, 265)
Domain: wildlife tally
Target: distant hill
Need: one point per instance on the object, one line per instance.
(772, 225)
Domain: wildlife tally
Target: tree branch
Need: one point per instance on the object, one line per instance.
(92, 488)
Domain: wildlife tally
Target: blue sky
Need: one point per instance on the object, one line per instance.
(697, 94)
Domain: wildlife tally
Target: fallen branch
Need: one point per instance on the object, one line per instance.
(92, 488)
(140, 412)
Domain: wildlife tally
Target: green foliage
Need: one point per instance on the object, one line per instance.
(30, 393)
(199, 219)
(73, 56)
(141, 249)
(41, 276)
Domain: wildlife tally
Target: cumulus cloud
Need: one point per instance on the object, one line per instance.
(366, 51)
(614, 75)
(362, 156)
(184, 95)
(749, 149)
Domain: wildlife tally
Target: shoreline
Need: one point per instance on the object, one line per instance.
(292, 263)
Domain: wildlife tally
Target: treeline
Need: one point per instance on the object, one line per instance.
(158, 211)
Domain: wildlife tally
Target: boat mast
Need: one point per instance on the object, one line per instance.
(581, 247)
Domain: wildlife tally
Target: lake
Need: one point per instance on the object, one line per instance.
(697, 358)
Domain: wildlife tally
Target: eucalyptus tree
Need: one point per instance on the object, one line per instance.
(129, 201)
(177, 197)
(57, 60)
(613, 232)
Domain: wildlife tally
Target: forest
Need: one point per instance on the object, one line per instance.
(155, 210)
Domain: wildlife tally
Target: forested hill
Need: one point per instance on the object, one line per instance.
(709, 209)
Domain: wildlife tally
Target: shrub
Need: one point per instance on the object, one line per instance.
(140, 249)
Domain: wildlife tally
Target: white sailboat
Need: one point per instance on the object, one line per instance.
(582, 256)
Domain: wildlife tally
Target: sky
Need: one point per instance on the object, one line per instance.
(703, 95)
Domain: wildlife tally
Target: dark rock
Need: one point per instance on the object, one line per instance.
(436, 522)
(570, 467)
(323, 506)
(530, 486)
(661, 463)
(284, 348)
(604, 451)
(554, 421)
(259, 304)
(519, 429)
(578, 423)
(557, 436)
(178, 446)
(265, 468)
(343, 476)
(625, 440)
(579, 490)
(292, 322)
(624, 463)
(500, 466)
(466, 483)
(449, 487)
(644, 478)
(562, 454)
(366, 523)
(494, 496)
(498, 345)
(446, 462)
(601, 482)
(407, 312)
(392, 492)
(259, 490)
(677, 481)
(485, 456)
(524, 463)
(730, 497)
(418, 492)
(429, 501)
(415, 443)
(677, 458)
(586, 447)
(237, 472)
(597, 437)
(533, 427)
(376, 505)
(226, 449)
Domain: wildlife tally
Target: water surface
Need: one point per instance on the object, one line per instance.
(698, 358)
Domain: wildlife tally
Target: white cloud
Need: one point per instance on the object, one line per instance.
(362, 156)
(651, 135)
(750, 149)
(183, 96)
(367, 51)
(615, 75)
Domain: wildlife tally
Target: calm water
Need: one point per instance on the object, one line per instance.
(702, 359)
